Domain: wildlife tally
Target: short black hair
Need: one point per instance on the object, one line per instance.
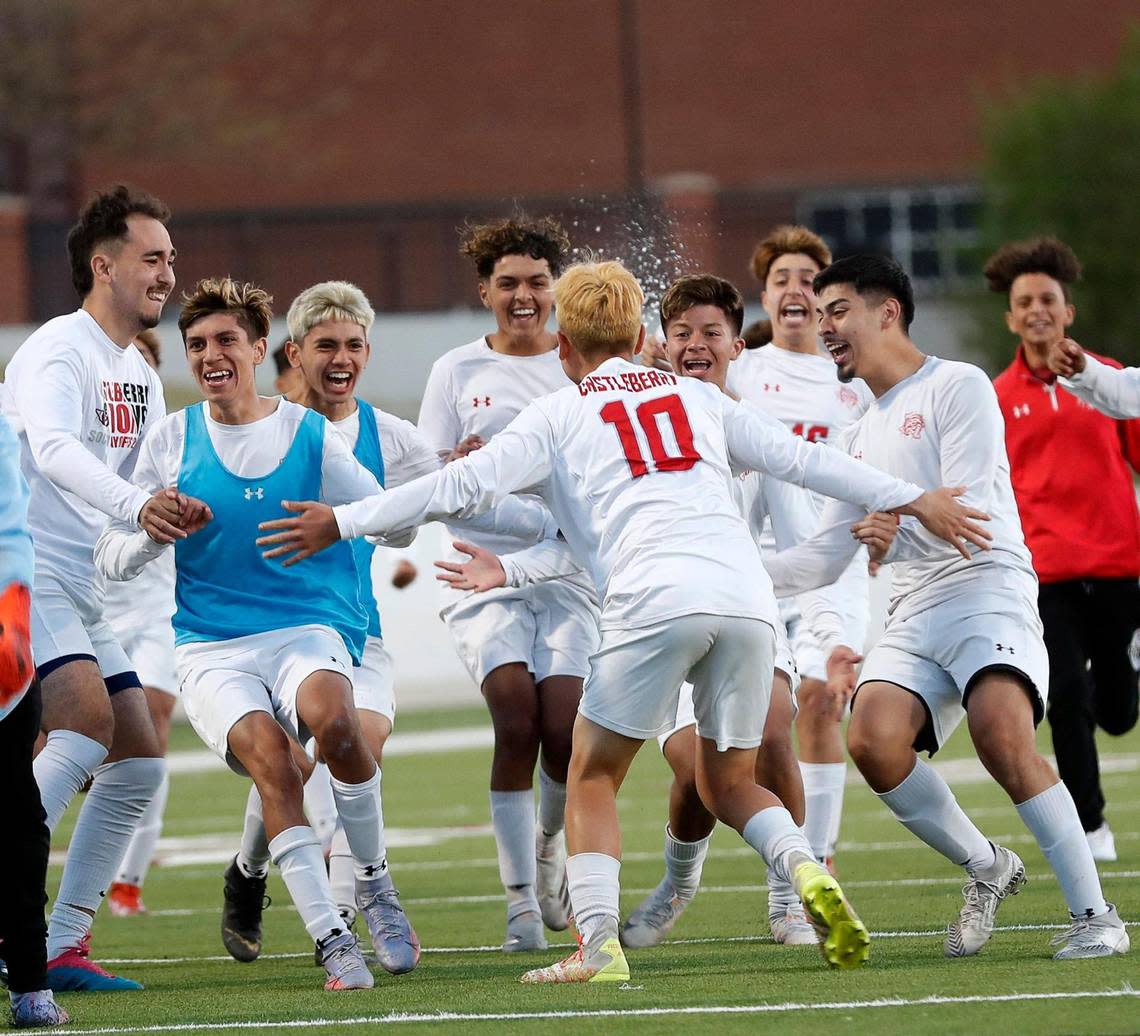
(105, 219)
(871, 275)
(702, 289)
(281, 358)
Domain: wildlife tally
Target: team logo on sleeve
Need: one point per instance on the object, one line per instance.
(913, 425)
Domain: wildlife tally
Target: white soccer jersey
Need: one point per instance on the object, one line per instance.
(636, 465)
(939, 427)
(80, 406)
(474, 390)
(144, 603)
(1111, 390)
(407, 454)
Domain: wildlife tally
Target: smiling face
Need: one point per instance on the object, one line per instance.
(520, 292)
(700, 343)
(332, 357)
(138, 271)
(1038, 313)
(223, 360)
(787, 297)
(850, 326)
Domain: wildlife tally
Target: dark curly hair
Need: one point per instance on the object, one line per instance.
(105, 219)
(487, 243)
(1047, 255)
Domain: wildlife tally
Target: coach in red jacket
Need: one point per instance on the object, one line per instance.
(1071, 469)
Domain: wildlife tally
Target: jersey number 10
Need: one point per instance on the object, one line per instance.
(617, 414)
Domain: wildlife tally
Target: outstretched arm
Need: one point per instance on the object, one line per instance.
(1112, 390)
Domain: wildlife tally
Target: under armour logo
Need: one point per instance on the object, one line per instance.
(1005, 647)
(1021, 411)
(486, 401)
(255, 494)
(771, 388)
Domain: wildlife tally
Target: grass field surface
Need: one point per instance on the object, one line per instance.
(719, 973)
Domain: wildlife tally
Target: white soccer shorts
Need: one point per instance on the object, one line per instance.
(552, 628)
(373, 687)
(68, 622)
(810, 656)
(936, 653)
(151, 652)
(224, 680)
(635, 678)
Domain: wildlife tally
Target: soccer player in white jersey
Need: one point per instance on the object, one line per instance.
(139, 615)
(329, 347)
(791, 380)
(81, 399)
(685, 594)
(964, 638)
(527, 650)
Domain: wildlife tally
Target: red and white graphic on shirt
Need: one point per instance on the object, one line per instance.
(847, 397)
(811, 432)
(913, 424)
(123, 412)
(673, 410)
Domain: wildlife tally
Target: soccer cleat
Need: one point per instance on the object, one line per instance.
(984, 893)
(1102, 844)
(1099, 936)
(654, 917)
(37, 1011)
(74, 971)
(125, 900)
(393, 938)
(551, 885)
(245, 899)
(348, 919)
(342, 959)
(599, 960)
(843, 938)
(790, 925)
(524, 932)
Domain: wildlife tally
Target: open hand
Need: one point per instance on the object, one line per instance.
(949, 520)
(840, 685)
(312, 528)
(483, 572)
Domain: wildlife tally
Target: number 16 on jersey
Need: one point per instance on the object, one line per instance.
(649, 415)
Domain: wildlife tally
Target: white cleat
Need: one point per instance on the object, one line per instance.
(1102, 844)
(790, 925)
(1100, 936)
(654, 917)
(342, 959)
(984, 894)
(524, 933)
(551, 886)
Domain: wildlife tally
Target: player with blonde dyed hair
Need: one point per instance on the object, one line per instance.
(325, 302)
(637, 466)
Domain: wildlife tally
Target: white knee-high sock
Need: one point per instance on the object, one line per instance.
(926, 806)
(823, 805)
(1053, 819)
(551, 804)
(320, 805)
(298, 854)
(342, 874)
(512, 817)
(66, 764)
(593, 882)
(115, 804)
(781, 891)
(140, 851)
(253, 856)
(684, 862)
(774, 835)
(362, 817)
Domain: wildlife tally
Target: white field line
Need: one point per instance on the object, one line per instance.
(634, 1012)
(496, 897)
(938, 933)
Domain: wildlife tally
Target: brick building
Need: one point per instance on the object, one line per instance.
(351, 140)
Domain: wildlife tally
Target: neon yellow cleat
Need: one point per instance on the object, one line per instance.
(601, 960)
(843, 938)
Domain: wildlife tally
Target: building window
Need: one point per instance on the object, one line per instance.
(931, 231)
